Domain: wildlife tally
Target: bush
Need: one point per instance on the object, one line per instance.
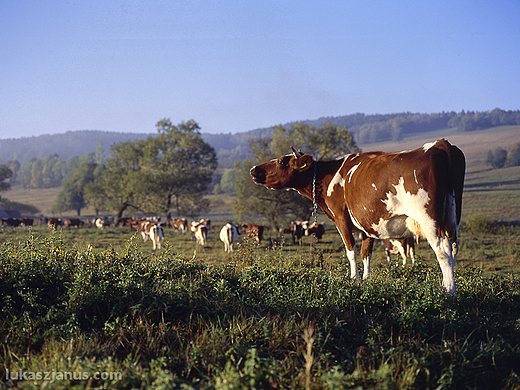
(480, 223)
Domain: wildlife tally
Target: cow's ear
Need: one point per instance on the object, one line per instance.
(305, 162)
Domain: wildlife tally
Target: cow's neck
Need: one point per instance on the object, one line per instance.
(323, 172)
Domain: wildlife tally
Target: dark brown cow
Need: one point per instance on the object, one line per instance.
(383, 195)
(317, 229)
(53, 223)
(403, 246)
(297, 231)
(256, 231)
(11, 222)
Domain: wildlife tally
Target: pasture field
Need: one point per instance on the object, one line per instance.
(82, 302)
(76, 303)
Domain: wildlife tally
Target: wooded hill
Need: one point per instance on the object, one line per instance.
(232, 147)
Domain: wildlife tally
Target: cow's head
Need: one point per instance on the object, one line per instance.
(289, 171)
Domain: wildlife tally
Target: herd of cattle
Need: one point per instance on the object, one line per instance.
(152, 228)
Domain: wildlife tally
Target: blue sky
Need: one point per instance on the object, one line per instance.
(235, 66)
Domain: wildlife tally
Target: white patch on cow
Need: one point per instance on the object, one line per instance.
(337, 179)
(428, 146)
(351, 171)
(352, 258)
(415, 176)
(405, 203)
(374, 185)
(366, 266)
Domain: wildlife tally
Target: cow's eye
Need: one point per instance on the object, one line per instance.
(280, 161)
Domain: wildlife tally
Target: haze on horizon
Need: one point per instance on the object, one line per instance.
(235, 66)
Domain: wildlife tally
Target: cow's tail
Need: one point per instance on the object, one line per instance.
(455, 183)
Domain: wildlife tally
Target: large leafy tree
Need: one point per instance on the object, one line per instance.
(167, 172)
(180, 166)
(279, 207)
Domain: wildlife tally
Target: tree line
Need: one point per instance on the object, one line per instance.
(234, 147)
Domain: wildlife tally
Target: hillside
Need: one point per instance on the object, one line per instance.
(369, 131)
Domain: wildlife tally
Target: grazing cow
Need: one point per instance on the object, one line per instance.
(152, 230)
(228, 235)
(404, 246)
(206, 222)
(11, 222)
(73, 222)
(27, 222)
(100, 223)
(200, 231)
(384, 195)
(317, 229)
(179, 224)
(53, 223)
(296, 231)
(256, 231)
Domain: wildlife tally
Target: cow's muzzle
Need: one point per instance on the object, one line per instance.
(257, 174)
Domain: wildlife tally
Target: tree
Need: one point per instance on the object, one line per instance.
(5, 173)
(279, 207)
(497, 158)
(513, 156)
(72, 194)
(227, 182)
(180, 166)
(168, 172)
(122, 183)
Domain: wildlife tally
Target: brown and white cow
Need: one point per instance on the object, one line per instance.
(254, 230)
(228, 235)
(179, 224)
(152, 230)
(75, 222)
(384, 195)
(200, 231)
(403, 246)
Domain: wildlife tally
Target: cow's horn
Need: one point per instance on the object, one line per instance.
(296, 154)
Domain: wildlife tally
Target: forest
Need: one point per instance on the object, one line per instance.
(233, 147)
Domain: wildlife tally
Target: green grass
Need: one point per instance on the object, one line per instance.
(265, 319)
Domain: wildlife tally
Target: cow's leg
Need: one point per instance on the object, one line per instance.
(366, 254)
(350, 247)
(411, 251)
(442, 246)
(400, 248)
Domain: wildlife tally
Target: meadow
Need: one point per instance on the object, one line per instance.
(85, 308)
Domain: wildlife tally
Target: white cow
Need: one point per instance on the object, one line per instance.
(228, 235)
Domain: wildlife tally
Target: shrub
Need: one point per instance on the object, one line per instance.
(480, 223)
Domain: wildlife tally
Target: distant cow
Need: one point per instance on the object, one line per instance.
(404, 246)
(317, 229)
(53, 223)
(179, 224)
(206, 222)
(75, 222)
(296, 231)
(200, 231)
(228, 235)
(11, 222)
(27, 222)
(152, 230)
(384, 195)
(256, 231)
(100, 223)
